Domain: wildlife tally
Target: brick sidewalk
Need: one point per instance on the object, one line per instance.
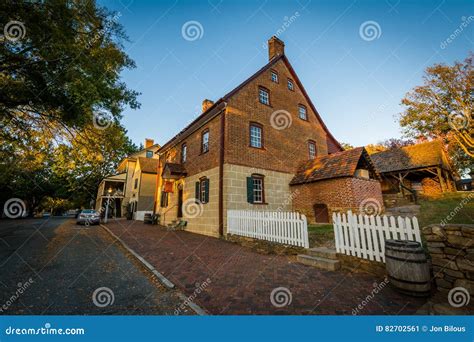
(241, 280)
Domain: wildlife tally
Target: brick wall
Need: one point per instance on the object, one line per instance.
(339, 194)
(197, 162)
(283, 149)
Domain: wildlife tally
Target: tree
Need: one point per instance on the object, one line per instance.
(61, 100)
(60, 63)
(442, 108)
(346, 146)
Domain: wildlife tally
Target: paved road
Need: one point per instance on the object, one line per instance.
(52, 266)
(240, 280)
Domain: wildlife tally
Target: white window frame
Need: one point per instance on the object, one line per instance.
(264, 96)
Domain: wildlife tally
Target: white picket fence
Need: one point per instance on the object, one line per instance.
(283, 227)
(364, 236)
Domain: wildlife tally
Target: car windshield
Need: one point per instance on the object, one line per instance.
(88, 211)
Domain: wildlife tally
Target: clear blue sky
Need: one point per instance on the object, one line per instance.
(355, 84)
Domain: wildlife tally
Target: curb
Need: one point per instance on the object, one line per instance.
(165, 281)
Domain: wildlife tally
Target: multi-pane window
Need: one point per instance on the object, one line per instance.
(274, 76)
(290, 85)
(184, 152)
(302, 112)
(264, 96)
(311, 149)
(202, 190)
(256, 135)
(205, 141)
(149, 154)
(257, 189)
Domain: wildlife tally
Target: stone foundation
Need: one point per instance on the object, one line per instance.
(451, 248)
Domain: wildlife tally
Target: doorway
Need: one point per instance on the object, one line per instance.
(180, 202)
(321, 214)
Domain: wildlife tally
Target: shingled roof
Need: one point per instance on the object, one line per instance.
(340, 164)
(417, 156)
(148, 165)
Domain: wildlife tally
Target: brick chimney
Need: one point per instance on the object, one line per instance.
(276, 47)
(149, 143)
(206, 104)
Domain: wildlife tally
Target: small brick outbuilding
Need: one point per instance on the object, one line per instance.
(337, 182)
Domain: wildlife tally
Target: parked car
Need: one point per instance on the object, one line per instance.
(88, 216)
(46, 214)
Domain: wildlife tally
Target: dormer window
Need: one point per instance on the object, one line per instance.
(205, 141)
(184, 152)
(264, 96)
(274, 76)
(302, 112)
(290, 85)
(311, 149)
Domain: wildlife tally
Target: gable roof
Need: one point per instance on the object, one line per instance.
(411, 157)
(148, 165)
(220, 104)
(340, 164)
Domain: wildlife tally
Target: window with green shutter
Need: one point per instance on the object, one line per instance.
(249, 189)
(256, 189)
(202, 190)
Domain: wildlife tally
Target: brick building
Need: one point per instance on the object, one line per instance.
(243, 151)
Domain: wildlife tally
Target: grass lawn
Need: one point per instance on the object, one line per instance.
(432, 211)
(321, 235)
(458, 205)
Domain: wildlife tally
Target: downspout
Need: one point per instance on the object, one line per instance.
(221, 171)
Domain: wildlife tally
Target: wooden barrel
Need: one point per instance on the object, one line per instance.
(407, 267)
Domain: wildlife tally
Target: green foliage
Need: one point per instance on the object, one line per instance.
(64, 69)
(55, 79)
(447, 90)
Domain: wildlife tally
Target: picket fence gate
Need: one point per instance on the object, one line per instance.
(364, 236)
(288, 228)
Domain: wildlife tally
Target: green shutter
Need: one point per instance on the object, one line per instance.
(206, 190)
(250, 189)
(197, 197)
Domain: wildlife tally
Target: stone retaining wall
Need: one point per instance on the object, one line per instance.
(452, 255)
(265, 247)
